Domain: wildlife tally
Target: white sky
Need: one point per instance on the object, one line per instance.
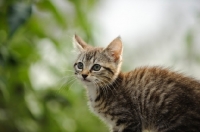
(128, 17)
(136, 19)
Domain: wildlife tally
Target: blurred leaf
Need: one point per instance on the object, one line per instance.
(189, 39)
(48, 5)
(27, 109)
(56, 97)
(18, 14)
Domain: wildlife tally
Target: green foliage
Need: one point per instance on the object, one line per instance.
(25, 26)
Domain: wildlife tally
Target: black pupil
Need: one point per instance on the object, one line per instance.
(96, 67)
(80, 65)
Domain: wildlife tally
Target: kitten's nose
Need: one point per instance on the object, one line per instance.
(84, 76)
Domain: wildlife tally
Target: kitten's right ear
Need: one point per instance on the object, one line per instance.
(80, 44)
(115, 49)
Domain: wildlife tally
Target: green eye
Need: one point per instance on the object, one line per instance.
(96, 67)
(80, 65)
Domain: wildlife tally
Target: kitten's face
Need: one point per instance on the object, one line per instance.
(97, 66)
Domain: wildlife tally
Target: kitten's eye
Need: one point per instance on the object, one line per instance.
(96, 67)
(80, 65)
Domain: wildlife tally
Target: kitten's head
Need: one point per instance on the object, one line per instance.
(99, 66)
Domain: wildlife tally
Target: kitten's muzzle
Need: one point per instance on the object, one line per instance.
(84, 78)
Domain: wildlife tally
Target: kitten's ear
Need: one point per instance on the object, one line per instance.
(80, 44)
(115, 49)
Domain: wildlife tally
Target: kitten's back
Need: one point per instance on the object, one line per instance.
(165, 99)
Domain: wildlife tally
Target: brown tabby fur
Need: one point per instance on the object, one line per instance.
(146, 99)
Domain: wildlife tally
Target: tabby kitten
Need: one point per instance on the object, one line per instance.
(146, 99)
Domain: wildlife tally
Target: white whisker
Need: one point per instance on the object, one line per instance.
(67, 71)
(69, 79)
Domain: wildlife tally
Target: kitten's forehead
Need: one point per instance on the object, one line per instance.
(92, 55)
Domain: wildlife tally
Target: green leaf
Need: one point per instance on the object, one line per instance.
(18, 14)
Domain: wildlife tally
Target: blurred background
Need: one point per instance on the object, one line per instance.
(38, 91)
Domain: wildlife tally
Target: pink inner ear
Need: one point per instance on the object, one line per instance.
(115, 48)
(80, 41)
(116, 55)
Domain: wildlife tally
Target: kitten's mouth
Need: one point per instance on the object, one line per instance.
(85, 80)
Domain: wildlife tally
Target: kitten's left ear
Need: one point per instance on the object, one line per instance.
(115, 49)
(80, 44)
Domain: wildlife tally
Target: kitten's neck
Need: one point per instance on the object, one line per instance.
(94, 90)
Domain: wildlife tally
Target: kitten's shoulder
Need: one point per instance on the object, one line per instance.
(157, 70)
(149, 70)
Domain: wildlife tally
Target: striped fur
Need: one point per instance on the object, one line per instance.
(147, 99)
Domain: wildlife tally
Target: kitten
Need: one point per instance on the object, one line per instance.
(146, 99)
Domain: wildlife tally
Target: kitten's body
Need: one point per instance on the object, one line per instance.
(149, 98)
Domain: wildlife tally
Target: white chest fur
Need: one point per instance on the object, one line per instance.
(92, 94)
